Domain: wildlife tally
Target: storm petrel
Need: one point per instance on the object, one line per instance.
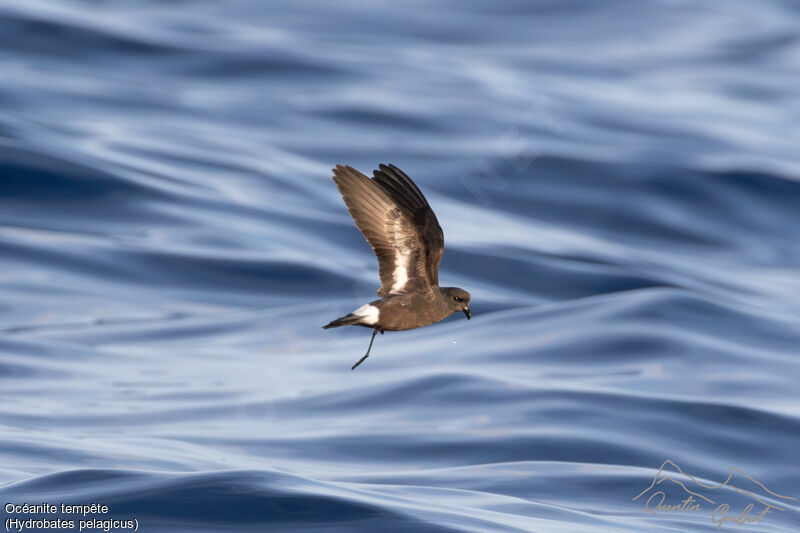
(399, 225)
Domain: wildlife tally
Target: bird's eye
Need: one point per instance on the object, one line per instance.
(458, 298)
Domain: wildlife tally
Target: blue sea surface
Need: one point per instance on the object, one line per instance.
(619, 188)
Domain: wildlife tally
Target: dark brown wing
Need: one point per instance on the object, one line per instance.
(391, 232)
(408, 197)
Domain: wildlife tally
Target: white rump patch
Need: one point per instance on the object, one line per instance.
(368, 313)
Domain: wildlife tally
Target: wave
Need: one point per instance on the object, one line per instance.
(620, 199)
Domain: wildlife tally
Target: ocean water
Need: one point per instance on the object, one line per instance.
(619, 187)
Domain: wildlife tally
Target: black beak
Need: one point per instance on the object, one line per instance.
(466, 312)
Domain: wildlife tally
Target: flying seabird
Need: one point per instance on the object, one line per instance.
(399, 225)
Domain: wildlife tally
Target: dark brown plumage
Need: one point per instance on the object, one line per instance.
(399, 225)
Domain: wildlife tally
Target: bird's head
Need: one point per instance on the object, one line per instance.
(457, 299)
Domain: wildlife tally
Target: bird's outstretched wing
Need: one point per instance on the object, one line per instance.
(398, 223)
(409, 198)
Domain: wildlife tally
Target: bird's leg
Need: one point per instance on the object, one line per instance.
(374, 332)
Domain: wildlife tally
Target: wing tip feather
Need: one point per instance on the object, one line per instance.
(400, 187)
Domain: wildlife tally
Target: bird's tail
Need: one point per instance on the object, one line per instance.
(347, 320)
